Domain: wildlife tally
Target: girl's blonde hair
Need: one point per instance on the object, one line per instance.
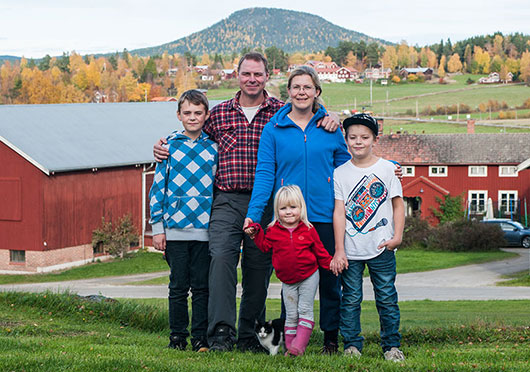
(291, 195)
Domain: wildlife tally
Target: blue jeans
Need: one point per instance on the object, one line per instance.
(383, 275)
(189, 262)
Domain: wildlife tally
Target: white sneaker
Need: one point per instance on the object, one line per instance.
(352, 351)
(394, 355)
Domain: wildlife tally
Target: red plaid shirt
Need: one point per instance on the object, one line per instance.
(238, 141)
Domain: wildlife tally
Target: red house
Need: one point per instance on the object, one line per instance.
(480, 167)
(63, 168)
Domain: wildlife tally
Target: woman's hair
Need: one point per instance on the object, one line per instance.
(291, 195)
(310, 71)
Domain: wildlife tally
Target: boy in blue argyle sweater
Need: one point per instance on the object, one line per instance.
(181, 201)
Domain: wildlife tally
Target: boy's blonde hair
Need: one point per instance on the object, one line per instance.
(292, 195)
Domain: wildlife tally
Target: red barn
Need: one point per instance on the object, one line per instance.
(63, 168)
(480, 167)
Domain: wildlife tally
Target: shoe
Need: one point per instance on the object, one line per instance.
(177, 342)
(352, 351)
(303, 333)
(222, 340)
(329, 348)
(394, 355)
(199, 345)
(251, 344)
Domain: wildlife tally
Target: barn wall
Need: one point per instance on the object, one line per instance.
(20, 202)
(75, 202)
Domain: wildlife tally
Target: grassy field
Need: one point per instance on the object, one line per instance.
(408, 260)
(414, 127)
(518, 279)
(49, 332)
(137, 263)
(403, 97)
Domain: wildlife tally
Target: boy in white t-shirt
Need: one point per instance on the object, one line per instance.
(368, 221)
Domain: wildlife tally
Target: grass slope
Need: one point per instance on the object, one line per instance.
(63, 333)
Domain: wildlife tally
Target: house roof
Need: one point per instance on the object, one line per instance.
(67, 137)
(460, 149)
(415, 70)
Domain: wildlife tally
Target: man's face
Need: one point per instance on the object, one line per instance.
(252, 78)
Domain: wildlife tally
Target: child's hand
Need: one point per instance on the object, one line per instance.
(251, 232)
(391, 244)
(159, 242)
(338, 263)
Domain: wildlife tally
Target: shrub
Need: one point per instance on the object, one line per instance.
(416, 232)
(466, 236)
(396, 79)
(470, 81)
(451, 208)
(115, 241)
(526, 104)
(412, 78)
(465, 109)
(506, 114)
(409, 112)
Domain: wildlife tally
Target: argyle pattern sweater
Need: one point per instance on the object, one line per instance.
(182, 191)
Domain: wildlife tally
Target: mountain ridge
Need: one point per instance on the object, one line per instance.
(254, 28)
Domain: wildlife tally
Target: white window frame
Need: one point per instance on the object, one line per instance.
(485, 193)
(471, 167)
(501, 167)
(507, 192)
(412, 168)
(438, 167)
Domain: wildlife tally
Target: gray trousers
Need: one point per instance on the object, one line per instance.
(226, 233)
(299, 299)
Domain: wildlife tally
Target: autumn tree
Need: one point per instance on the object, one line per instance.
(296, 59)
(351, 60)
(441, 67)
(481, 61)
(454, 64)
(389, 58)
(525, 67)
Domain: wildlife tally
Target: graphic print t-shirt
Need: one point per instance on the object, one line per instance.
(367, 194)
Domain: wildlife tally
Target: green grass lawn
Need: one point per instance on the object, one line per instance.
(518, 279)
(140, 262)
(414, 127)
(50, 332)
(408, 260)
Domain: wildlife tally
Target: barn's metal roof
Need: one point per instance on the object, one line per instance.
(67, 137)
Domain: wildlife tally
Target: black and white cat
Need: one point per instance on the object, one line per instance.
(270, 335)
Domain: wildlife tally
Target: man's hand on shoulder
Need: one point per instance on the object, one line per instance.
(330, 122)
(159, 151)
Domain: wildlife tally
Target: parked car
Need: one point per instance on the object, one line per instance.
(515, 233)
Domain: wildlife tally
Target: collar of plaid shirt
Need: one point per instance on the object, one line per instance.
(238, 141)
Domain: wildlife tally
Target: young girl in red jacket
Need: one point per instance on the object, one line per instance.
(297, 252)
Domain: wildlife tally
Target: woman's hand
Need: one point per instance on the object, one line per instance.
(250, 231)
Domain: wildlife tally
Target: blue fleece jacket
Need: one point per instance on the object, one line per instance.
(288, 155)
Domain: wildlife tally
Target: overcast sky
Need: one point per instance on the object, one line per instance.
(34, 28)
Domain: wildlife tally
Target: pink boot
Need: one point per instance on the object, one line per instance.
(303, 333)
(290, 334)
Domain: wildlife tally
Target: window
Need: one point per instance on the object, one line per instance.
(408, 171)
(507, 171)
(438, 171)
(477, 201)
(507, 202)
(477, 171)
(17, 256)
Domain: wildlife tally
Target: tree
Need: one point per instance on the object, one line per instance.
(482, 61)
(351, 59)
(454, 64)
(441, 67)
(432, 61)
(296, 59)
(403, 55)
(468, 57)
(276, 58)
(149, 72)
(63, 63)
(44, 64)
(116, 240)
(525, 67)
(372, 53)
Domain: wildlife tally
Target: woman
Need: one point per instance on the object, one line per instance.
(294, 151)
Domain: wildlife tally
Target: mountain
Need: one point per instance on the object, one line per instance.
(261, 28)
(8, 58)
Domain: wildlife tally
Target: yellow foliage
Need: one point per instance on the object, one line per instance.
(454, 64)
(390, 59)
(396, 79)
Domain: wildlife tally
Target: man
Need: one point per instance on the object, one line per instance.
(236, 126)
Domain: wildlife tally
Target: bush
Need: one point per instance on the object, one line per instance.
(451, 208)
(506, 115)
(416, 232)
(465, 109)
(526, 104)
(396, 79)
(470, 81)
(115, 241)
(466, 236)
